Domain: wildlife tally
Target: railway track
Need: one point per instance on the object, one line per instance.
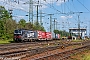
(11, 48)
(21, 47)
(23, 51)
(64, 55)
(59, 54)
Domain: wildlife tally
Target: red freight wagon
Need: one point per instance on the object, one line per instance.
(41, 35)
(48, 35)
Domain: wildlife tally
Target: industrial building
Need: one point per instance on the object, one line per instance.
(78, 32)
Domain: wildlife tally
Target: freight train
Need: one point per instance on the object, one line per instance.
(33, 35)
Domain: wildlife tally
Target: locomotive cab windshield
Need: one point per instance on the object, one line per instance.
(18, 32)
(17, 35)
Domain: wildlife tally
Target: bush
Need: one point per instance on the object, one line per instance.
(86, 57)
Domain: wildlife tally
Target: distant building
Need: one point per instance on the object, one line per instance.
(78, 32)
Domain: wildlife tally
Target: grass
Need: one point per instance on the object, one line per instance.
(85, 55)
(77, 40)
(6, 41)
(87, 58)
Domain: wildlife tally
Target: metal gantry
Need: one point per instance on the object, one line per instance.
(79, 24)
(55, 28)
(31, 11)
(78, 21)
(41, 22)
(50, 22)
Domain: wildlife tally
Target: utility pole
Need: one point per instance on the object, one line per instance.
(37, 14)
(41, 18)
(54, 22)
(50, 22)
(79, 23)
(37, 6)
(78, 26)
(56, 25)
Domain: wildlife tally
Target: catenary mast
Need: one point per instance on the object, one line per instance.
(31, 11)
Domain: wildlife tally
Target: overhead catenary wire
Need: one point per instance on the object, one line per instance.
(83, 6)
(13, 6)
(51, 6)
(54, 7)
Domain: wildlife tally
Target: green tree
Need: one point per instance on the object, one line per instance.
(56, 31)
(6, 24)
(62, 33)
(1, 28)
(10, 27)
(22, 23)
(29, 26)
(4, 14)
(37, 26)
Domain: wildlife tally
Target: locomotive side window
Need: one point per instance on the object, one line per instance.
(30, 34)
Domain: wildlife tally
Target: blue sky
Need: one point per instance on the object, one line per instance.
(56, 7)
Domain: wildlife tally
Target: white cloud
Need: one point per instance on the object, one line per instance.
(63, 17)
(66, 17)
(69, 16)
(59, 2)
(10, 4)
(18, 16)
(15, 5)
